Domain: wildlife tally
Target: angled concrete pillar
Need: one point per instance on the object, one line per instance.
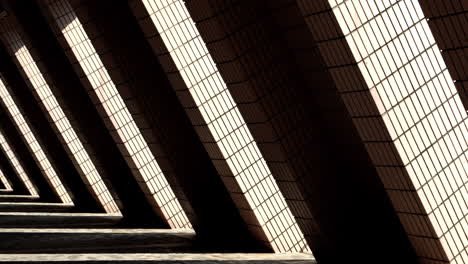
(5, 183)
(220, 124)
(45, 135)
(44, 189)
(391, 75)
(135, 209)
(171, 136)
(86, 49)
(265, 54)
(17, 184)
(17, 164)
(36, 76)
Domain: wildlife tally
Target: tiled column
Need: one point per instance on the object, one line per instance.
(242, 41)
(448, 21)
(87, 52)
(391, 75)
(48, 188)
(135, 209)
(17, 165)
(5, 182)
(44, 133)
(17, 185)
(344, 192)
(38, 80)
(264, 51)
(30, 140)
(219, 123)
(169, 130)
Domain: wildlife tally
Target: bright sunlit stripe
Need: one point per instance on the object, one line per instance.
(33, 145)
(425, 118)
(5, 181)
(119, 115)
(226, 124)
(86, 167)
(17, 165)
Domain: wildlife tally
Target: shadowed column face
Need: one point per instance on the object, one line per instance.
(31, 141)
(140, 157)
(393, 80)
(40, 86)
(252, 186)
(15, 163)
(448, 21)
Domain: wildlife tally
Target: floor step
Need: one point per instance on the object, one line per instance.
(17, 198)
(34, 207)
(57, 220)
(95, 240)
(289, 258)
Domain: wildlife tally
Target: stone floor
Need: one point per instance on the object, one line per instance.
(93, 239)
(16, 240)
(59, 220)
(34, 207)
(17, 198)
(159, 258)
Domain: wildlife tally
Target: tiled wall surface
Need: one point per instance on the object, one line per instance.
(394, 82)
(36, 76)
(89, 55)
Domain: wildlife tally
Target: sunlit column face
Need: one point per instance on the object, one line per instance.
(11, 156)
(85, 166)
(408, 81)
(32, 143)
(119, 115)
(5, 181)
(226, 124)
